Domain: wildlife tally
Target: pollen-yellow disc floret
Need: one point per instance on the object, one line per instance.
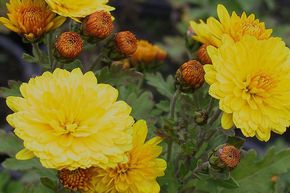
(77, 9)
(235, 26)
(251, 80)
(31, 18)
(68, 120)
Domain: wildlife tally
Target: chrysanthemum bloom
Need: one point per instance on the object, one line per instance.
(235, 26)
(251, 79)
(139, 173)
(190, 74)
(126, 42)
(146, 52)
(69, 45)
(77, 9)
(31, 18)
(98, 25)
(68, 120)
(202, 55)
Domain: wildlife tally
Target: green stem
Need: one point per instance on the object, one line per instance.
(210, 105)
(49, 52)
(173, 104)
(171, 116)
(97, 61)
(169, 150)
(214, 117)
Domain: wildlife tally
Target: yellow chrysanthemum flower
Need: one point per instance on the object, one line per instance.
(211, 32)
(139, 174)
(77, 9)
(68, 120)
(31, 18)
(251, 78)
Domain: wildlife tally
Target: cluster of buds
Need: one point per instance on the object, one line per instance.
(225, 157)
(96, 27)
(190, 76)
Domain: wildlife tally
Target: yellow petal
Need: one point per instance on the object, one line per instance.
(224, 16)
(227, 120)
(25, 154)
(139, 133)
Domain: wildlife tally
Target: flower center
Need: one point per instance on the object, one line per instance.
(32, 18)
(76, 180)
(260, 84)
(122, 169)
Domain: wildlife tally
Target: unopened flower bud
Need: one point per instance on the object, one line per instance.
(76, 180)
(226, 156)
(126, 43)
(190, 75)
(201, 118)
(69, 45)
(98, 25)
(274, 179)
(203, 56)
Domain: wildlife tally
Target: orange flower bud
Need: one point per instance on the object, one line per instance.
(203, 56)
(190, 74)
(229, 155)
(76, 180)
(69, 45)
(98, 25)
(126, 43)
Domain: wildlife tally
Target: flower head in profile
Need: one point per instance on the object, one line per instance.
(251, 79)
(146, 52)
(235, 26)
(31, 18)
(77, 9)
(139, 173)
(68, 120)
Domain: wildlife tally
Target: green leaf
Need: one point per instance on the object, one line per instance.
(165, 87)
(14, 186)
(118, 77)
(4, 179)
(10, 144)
(72, 65)
(48, 183)
(42, 189)
(14, 164)
(169, 181)
(12, 90)
(28, 58)
(238, 142)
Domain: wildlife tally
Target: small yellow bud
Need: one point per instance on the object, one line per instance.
(69, 45)
(98, 25)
